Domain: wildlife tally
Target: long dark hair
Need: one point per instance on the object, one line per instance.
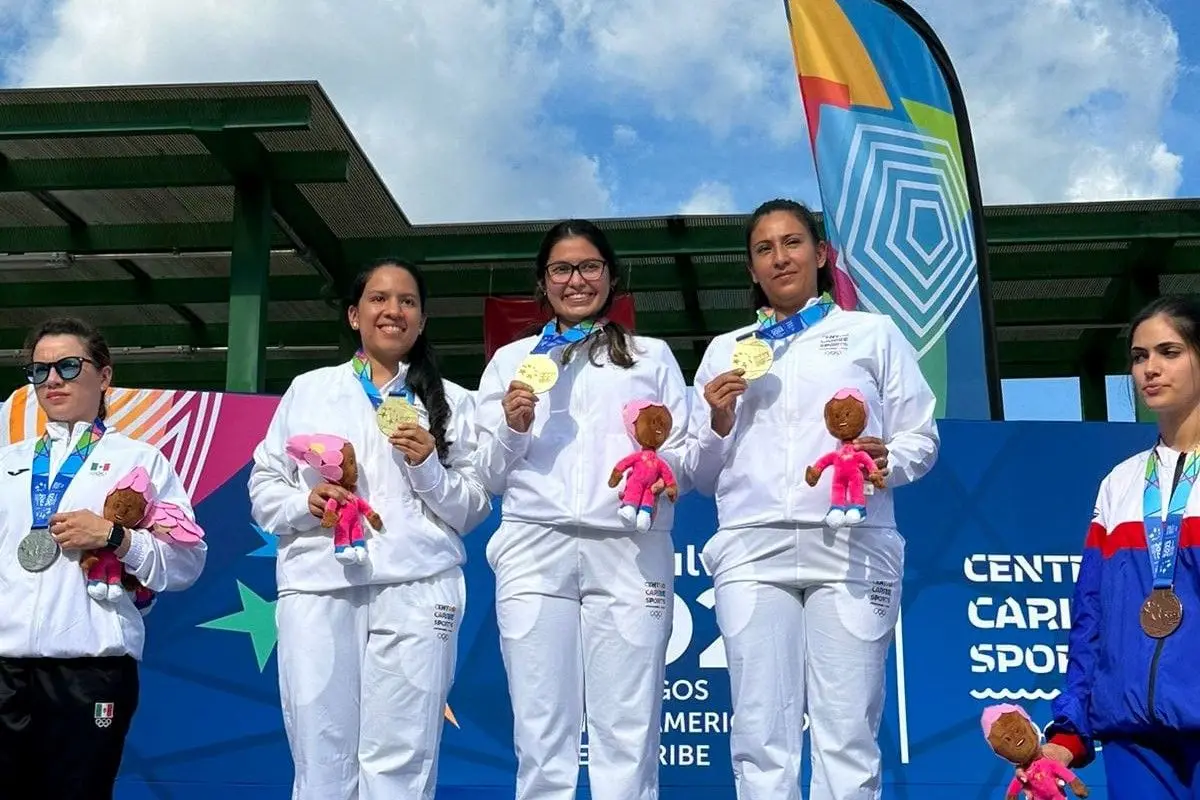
(809, 220)
(1184, 312)
(614, 336)
(93, 343)
(424, 375)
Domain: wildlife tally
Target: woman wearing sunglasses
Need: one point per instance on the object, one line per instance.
(69, 662)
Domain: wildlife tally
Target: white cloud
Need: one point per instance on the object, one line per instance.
(625, 136)
(1067, 99)
(725, 65)
(456, 101)
(446, 98)
(710, 197)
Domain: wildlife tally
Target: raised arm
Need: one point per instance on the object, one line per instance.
(498, 447)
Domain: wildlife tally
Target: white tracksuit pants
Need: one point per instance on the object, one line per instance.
(584, 617)
(363, 675)
(807, 616)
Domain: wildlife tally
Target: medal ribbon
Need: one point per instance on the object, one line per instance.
(45, 496)
(802, 320)
(551, 338)
(1162, 536)
(362, 368)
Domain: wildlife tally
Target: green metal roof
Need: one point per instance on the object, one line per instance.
(117, 203)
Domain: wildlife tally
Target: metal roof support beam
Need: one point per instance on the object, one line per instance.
(161, 172)
(249, 271)
(1092, 226)
(154, 117)
(145, 291)
(117, 239)
(1093, 394)
(243, 155)
(1124, 298)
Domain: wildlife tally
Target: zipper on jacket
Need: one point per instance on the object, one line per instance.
(789, 484)
(1158, 648)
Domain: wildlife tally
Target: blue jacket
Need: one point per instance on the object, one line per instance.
(1120, 681)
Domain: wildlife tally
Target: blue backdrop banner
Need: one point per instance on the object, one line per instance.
(986, 612)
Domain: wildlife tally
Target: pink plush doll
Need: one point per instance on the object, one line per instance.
(648, 424)
(1012, 736)
(131, 505)
(167, 522)
(846, 419)
(333, 458)
(127, 505)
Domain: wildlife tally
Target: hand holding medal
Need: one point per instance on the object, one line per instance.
(721, 394)
(518, 405)
(414, 442)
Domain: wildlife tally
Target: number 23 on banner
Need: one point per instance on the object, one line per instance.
(711, 657)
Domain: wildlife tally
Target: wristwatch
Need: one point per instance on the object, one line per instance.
(115, 537)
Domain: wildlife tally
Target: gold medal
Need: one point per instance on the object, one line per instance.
(394, 412)
(539, 372)
(754, 357)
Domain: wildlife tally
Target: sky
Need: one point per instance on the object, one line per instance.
(477, 110)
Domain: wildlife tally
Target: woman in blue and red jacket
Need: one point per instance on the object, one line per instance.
(1133, 676)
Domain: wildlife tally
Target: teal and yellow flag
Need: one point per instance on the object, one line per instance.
(899, 187)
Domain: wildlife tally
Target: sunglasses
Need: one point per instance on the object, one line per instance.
(38, 372)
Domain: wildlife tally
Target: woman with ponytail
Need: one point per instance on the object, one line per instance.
(368, 636)
(583, 595)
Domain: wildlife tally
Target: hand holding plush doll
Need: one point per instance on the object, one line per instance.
(126, 505)
(1011, 734)
(648, 424)
(846, 419)
(333, 457)
(131, 505)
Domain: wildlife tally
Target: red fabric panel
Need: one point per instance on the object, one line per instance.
(506, 319)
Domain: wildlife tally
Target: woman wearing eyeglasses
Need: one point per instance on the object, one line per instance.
(583, 594)
(69, 661)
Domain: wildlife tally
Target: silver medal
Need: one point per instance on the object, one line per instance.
(37, 551)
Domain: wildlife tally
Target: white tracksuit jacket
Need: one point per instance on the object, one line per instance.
(757, 472)
(425, 509)
(557, 472)
(50, 614)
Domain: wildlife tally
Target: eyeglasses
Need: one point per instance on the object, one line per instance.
(38, 372)
(561, 271)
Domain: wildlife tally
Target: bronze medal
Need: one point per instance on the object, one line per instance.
(1161, 613)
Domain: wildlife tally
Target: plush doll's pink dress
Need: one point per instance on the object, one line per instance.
(850, 465)
(323, 453)
(848, 501)
(646, 470)
(1041, 780)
